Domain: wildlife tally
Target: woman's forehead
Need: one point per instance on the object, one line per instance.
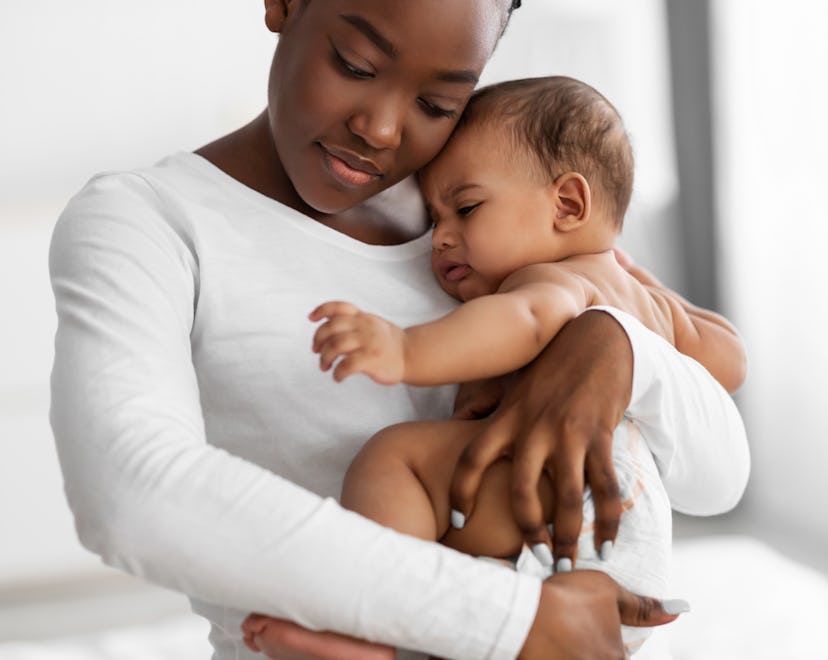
(465, 31)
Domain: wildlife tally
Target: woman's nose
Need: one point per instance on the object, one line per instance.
(379, 123)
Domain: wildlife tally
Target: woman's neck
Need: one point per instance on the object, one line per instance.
(249, 156)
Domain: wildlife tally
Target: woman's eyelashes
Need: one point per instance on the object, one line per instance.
(435, 110)
(344, 65)
(347, 67)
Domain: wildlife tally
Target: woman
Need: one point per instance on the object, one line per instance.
(196, 436)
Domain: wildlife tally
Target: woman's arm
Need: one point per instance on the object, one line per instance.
(152, 497)
(561, 415)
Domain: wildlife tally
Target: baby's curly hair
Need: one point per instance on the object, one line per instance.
(564, 125)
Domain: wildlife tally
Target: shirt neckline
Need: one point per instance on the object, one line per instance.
(415, 247)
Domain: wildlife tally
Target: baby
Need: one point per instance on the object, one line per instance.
(527, 200)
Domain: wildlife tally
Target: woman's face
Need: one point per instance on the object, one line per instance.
(364, 92)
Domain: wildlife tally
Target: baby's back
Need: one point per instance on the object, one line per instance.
(605, 282)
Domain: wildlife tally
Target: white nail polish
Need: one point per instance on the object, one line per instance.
(675, 606)
(606, 550)
(551, 529)
(458, 520)
(564, 565)
(543, 554)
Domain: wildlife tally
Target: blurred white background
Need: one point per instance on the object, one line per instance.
(106, 84)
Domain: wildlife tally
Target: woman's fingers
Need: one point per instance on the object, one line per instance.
(642, 611)
(529, 463)
(473, 462)
(606, 497)
(568, 491)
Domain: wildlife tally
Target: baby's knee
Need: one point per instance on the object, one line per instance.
(388, 450)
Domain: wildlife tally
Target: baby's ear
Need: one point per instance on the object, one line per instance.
(276, 13)
(573, 201)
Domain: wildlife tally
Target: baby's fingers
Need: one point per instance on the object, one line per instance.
(333, 308)
(337, 325)
(338, 345)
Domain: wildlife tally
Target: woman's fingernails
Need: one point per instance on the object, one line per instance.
(675, 606)
(543, 554)
(606, 550)
(564, 565)
(458, 520)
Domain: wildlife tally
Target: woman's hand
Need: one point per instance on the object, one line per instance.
(285, 640)
(580, 616)
(559, 418)
(477, 399)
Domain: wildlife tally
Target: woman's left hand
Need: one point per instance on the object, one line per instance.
(559, 418)
(285, 640)
(478, 398)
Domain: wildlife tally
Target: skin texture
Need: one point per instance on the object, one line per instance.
(337, 98)
(346, 118)
(527, 255)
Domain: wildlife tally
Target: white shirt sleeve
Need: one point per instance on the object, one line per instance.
(152, 497)
(690, 423)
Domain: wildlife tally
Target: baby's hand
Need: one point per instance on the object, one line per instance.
(366, 343)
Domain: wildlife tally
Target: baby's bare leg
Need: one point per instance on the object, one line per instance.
(401, 480)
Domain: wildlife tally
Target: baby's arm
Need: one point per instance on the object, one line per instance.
(710, 339)
(485, 337)
(705, 336)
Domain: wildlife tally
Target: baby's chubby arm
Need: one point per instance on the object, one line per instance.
(487, 336)
(705, 336)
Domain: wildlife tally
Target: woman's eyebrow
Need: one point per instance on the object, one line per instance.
(386, 47)
(465, 77)
(372, 33)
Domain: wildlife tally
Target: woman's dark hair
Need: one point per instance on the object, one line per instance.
(513, 4)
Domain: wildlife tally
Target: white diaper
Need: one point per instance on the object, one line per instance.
(640, 560)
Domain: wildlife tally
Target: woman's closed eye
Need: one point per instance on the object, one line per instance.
(434, 110)
(349, 68)
(352, 70)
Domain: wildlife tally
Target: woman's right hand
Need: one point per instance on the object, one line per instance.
(580, 615)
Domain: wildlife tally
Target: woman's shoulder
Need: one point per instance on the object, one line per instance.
(137, 209)
(177, 175)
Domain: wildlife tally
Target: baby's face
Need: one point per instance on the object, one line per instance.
(491, 216)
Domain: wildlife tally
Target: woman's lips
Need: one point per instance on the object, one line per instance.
(350, 169)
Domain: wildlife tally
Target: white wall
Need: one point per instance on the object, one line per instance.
(771, 97)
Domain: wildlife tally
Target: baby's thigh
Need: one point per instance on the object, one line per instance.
(427, 450)
(430, 451)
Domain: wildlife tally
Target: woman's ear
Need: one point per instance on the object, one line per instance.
(276, 13)
(573, 201)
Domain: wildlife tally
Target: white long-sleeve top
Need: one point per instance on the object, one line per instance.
(202, 448)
